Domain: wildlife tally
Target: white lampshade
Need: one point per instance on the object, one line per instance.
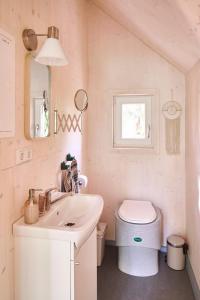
(51, 53)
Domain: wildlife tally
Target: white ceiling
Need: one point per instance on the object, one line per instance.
(170, 27)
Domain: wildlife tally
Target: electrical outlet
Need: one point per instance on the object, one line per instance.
(28, 154)
(23, 155)
(19, 156)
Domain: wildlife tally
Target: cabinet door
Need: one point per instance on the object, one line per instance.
(86, 270)
(42, 269)
(7, 85)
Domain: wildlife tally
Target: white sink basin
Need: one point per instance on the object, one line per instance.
(73, 219)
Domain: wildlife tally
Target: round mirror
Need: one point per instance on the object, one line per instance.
(81, 100)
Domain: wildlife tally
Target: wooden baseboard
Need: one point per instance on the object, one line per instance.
(193, 281)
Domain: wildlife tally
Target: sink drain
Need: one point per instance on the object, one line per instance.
(69, 224)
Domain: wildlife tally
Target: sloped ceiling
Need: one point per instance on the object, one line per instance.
(170, 27)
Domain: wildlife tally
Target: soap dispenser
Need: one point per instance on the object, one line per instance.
(31, 209)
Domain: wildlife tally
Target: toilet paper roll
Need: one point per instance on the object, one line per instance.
(83, 181)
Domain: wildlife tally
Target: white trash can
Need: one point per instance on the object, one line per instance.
(101, 230)
(176, 251)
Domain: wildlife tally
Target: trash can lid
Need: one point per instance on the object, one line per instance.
(175, 241)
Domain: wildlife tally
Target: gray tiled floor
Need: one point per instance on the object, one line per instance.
(115, 285)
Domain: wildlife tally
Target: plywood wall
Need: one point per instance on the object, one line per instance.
(193, 168)
(42, 171)
(119, 61)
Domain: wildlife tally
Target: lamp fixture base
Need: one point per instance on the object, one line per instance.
(30, 39)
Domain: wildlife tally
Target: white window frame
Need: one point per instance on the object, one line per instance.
(151, 122)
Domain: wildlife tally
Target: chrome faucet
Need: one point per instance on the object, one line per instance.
(48, 197)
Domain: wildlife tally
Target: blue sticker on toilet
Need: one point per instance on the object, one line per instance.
(137, 239)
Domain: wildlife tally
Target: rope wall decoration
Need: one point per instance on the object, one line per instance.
(172, 113)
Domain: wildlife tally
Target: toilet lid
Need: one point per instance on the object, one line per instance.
(140, 212)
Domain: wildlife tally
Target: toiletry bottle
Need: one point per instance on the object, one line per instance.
(31, 209)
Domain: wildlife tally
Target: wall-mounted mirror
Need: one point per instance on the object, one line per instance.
(37, 99)
(81, 100)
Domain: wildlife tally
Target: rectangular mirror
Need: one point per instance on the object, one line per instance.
(37, 99)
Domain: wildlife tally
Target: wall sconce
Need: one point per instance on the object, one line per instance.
(51, 52)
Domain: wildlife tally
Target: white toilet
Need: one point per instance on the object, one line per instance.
(138, 235)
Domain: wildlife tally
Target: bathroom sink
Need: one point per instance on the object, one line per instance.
(72, 218)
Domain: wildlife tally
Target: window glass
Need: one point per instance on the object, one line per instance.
(133, 121)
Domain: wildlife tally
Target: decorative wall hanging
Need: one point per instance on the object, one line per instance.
(172, 112)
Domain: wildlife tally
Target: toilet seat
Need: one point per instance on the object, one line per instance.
(139, 212)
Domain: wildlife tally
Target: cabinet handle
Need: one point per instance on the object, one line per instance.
(149, 130)
(77, 263)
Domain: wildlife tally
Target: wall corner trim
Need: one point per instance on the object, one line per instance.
(192, 278)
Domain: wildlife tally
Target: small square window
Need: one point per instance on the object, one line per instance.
(132, 121)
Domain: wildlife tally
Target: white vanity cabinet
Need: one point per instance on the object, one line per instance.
(48, 269)
(56, 258)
